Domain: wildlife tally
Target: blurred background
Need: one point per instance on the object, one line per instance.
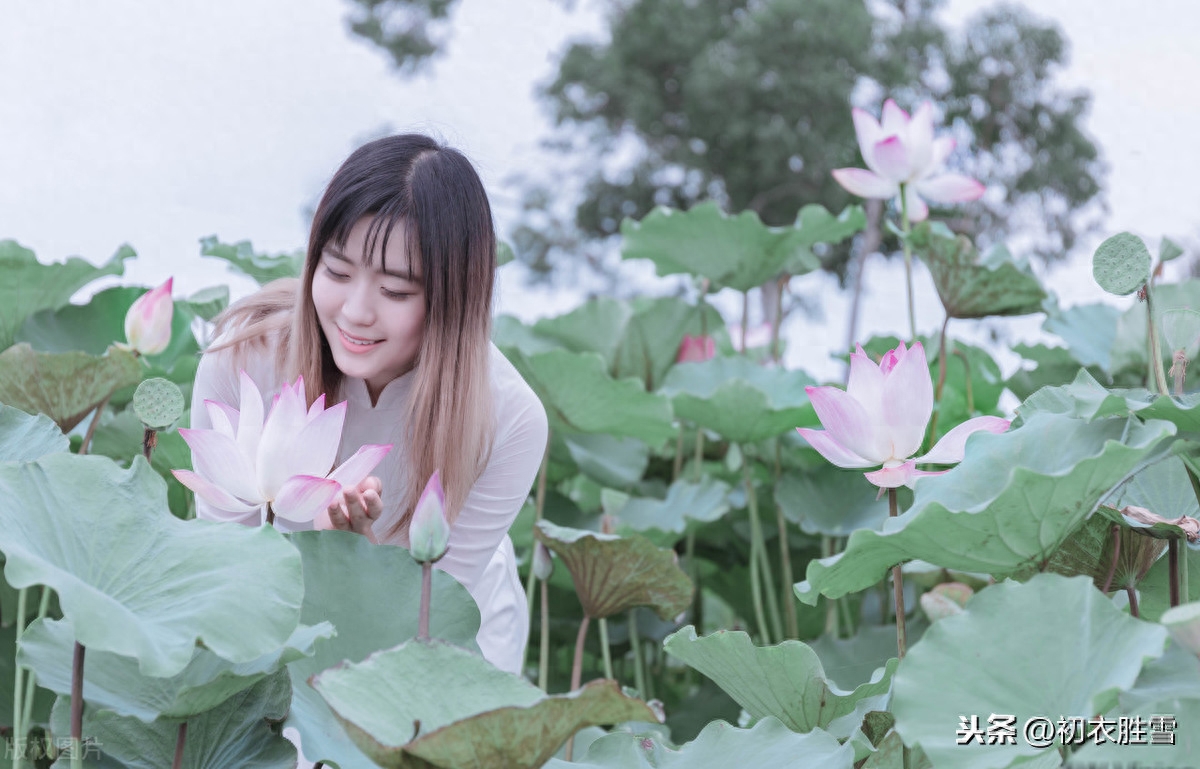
(159, 124)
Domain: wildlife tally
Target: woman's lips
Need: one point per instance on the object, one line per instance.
(355, 344)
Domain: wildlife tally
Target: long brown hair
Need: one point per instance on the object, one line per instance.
(436, 194)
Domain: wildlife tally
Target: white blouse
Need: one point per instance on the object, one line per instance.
(481, 553)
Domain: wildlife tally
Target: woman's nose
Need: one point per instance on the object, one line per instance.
(358, 308)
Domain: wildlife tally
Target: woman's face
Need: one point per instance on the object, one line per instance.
(373, 320)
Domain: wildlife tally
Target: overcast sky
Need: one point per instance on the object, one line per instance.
(159, 123)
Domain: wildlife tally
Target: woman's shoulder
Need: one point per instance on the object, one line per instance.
(514, 399)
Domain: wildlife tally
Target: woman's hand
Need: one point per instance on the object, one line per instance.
(356, 509)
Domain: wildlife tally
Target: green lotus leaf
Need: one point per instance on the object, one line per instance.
(594, 326)
(1007, 506)
(236, 733)
(263, 268)
(25, 437)
(1085, 398)
(94, 326)
(687, 504)
(737, 252)
(511, 335)
(1183, 753)
(1090, 331)
(738, 399)
(1085, 652)
(133, 579)
(206, 303)
(1121, 264)
(385, 580)
(971, 285)
(580, 397)
(1154, 591)
(1089, 550)
(650, 344)
(831, 502)
(890, 755)
(120, 436)
(1174, 675)
(719, 746)
(854, 661)
(1129, 350)
(427, 704)
(612, 461)
(1052, 367)
(504, 254)
(30, 286)
(786, 681)
(113, 682)
(613, 574)
(63, 386)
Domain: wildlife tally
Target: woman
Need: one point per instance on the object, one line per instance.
(392, 314)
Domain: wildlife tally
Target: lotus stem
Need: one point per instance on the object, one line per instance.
(270, 515)
(19, 728)
(605, 652)
(1179, 370)
(426, 591)
(639, 663)
(1156, 364)
(1183, 575)
(898, 585)
(1131, 591)
(77, 707)
(1112, 567)
(149, 441)
(677, 467)
(539, 502)
(908, 277)
(831, 608)
(180, 739)
(544, 650)
(87, 436)
(770, 599)
(941, 384)
(760, 617)
(1173, 570)
(577, 673)
(30, 677)
(745, 318)
(785, 560)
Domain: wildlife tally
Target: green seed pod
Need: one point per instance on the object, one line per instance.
(158, 403)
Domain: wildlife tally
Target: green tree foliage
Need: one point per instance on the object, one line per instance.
(411, 31)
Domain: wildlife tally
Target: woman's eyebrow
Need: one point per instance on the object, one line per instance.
(333, 253)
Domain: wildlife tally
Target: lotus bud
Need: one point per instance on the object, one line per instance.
(945, 600)
(148, 322)
(543, 564)
(695, 349)
(429, 532)
(1183, 623)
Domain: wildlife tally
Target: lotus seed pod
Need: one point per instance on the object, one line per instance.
(955, 591)
(158, 403)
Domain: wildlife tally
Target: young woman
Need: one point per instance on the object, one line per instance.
(392, 314)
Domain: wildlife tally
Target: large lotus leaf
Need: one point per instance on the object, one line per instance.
(1155, 590)
(852, 662)
(1162, 488)
(612, 461)
(30, 286)
(831, 502)
(94, 326)
(1183, 753)
(25, 437)
(1129, 345)
(580, 397)
(737, 252)
(785, 681)
(687, 504)
(971, 285)
(1174, 675)
(1090, 331)
(738, 399)
(206, 303)
(263, 268)
(385, 583)
(511, 335)
(594, 326)
(613, 574)
(43, 699)
(817, 225)
(1088, 552)
(719, 746)
(433, 704)
(120, 436)
(133, 579)
(63, 386)
(236, 733)
(113, 682)
(1083, 652)
(1008, 505)
(653, 335)
(1052, 367)
(1085, 398)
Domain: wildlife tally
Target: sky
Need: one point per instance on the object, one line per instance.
(156, 124)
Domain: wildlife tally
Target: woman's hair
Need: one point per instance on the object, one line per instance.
(447, 223)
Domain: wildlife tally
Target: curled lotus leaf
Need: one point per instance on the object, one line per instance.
(25, 437)
(786, 681)
(425, 704)
(1091, 548)
(262, 267)
(613, 574)
(63, 386)
(1085, 398)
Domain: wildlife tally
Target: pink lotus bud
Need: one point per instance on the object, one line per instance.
(429, 532)
(695, 349)
(543, 565)
(148, 322)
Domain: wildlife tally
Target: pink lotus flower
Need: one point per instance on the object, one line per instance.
(880, 419)
(148, 321)
(695, 349)
(244, 463)
(903, 156)
(429, 531)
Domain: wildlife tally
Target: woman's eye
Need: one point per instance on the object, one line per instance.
(396, 294)
(335, 275)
